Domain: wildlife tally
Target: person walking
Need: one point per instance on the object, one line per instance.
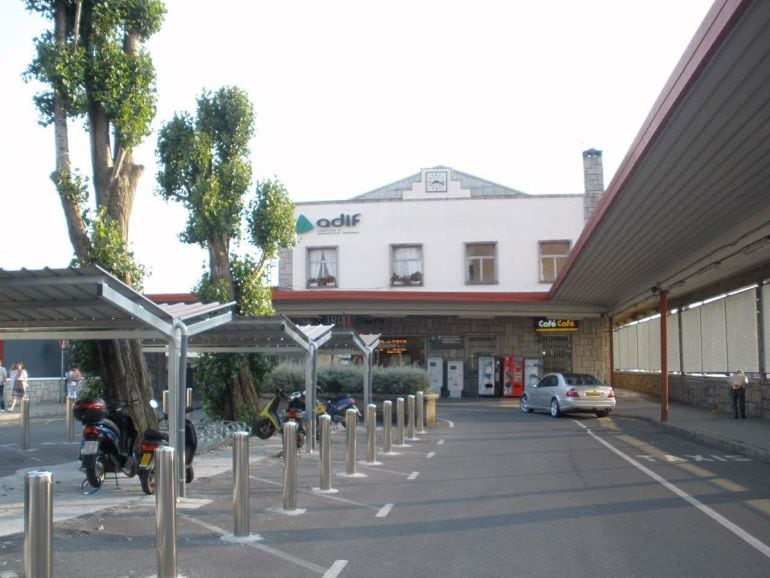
(738, 382)
(19, 379)
(73, 378)
(3, 379)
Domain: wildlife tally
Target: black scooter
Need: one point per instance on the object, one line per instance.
(153, 439)
(108, 441)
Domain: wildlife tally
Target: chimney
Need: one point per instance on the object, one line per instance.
(593, 173)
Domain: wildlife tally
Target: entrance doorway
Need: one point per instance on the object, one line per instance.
(557, 353)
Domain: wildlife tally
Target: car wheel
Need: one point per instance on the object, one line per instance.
(524, 405)
(555, 410)
(602, 413)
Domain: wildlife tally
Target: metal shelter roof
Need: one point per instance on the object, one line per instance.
(688, 212)
(89, 303)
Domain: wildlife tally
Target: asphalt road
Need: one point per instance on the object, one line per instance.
(487, 492)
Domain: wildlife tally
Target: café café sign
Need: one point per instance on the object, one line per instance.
(546, 325)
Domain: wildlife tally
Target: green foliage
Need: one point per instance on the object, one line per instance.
(72, 186)
(253, 296)
(109, 250)
(270, 219)
(215, 373)
(336, 379)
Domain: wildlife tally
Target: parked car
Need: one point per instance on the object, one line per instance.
(569, 392)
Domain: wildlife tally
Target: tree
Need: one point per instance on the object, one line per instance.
(95, 70)
(205, 167)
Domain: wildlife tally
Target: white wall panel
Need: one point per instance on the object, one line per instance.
(672, 335)
(713, 337)
(654, 344)
(742, 335)
(643, 345)
(691, 341)
(766, 323)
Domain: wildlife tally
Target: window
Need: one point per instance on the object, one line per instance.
(322, 267)
(553, 256)
(406, 266)
(480, 263)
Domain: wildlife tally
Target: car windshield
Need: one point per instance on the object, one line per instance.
(581, 379)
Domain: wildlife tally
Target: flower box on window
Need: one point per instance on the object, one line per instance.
(328, 281)
(405, 280)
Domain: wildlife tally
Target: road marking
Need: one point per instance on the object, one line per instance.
(384, 511)
(413, 476)
(267, 549)
(336, 568)
(430, 455)
(717, 517)
(440, 442)
(451, 423)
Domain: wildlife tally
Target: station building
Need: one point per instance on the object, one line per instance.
(454, 272)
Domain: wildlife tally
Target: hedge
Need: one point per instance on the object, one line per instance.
(337, 379)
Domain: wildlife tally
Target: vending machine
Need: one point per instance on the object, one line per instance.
(436, 374)
(513, 376)
(486, 376)
(533, 370)
(454, 378)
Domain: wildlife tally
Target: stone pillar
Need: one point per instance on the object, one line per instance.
(593, 174)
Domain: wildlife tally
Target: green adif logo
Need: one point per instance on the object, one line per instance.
(303, 225)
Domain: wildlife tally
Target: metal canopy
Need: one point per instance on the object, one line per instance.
(89, 303)
(688, 211)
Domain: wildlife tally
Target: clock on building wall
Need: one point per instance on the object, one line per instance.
(436, 181)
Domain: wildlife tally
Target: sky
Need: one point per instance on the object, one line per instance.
(351, 95)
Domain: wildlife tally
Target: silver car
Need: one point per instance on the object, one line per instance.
(567, 392)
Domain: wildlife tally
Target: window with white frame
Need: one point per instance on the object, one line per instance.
(553, 257)
(406, 268)
(480, 263)
(322, 267)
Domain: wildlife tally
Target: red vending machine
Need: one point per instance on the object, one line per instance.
(513, 376)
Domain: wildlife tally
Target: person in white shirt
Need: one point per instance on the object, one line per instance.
(3, 379)
(19, 378)
(738, 382)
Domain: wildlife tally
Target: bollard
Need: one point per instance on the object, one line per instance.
(69, 418)
(410, 416)
(420, 412)
(400, 421)
(188, 399)
(387, 426)
(164, 405)
(325, 427)
(290, 465)
(351, 422)
(24, 423)
(241, 509)
(165, 511)
(371, 434)
(38, 524)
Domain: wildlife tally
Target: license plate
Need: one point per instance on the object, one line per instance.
(90, 447)
(146, 458)
(593, 394)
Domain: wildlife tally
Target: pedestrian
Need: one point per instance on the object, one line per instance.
(3, 379)
(73, 378)
(19, 379)
(738, 382)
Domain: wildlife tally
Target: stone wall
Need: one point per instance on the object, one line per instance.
(39, 390)
(698, 391)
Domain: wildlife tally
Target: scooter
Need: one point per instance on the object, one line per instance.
(155, 438)
(108, 441)
(270, 419)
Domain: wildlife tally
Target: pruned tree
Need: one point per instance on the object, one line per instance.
(205, 166)
(95, 70)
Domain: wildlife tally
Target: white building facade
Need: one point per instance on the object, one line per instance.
(447, 266)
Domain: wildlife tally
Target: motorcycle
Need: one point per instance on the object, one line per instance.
(153, 439)
(336, 407)
(271, 419)
(108, 441)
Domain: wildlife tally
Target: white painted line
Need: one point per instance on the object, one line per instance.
(384, 511)
(440, 442)
(718, 518)
(430, 455)
(336, 568)
(267, 549)
(451, 423)
(413, 476)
